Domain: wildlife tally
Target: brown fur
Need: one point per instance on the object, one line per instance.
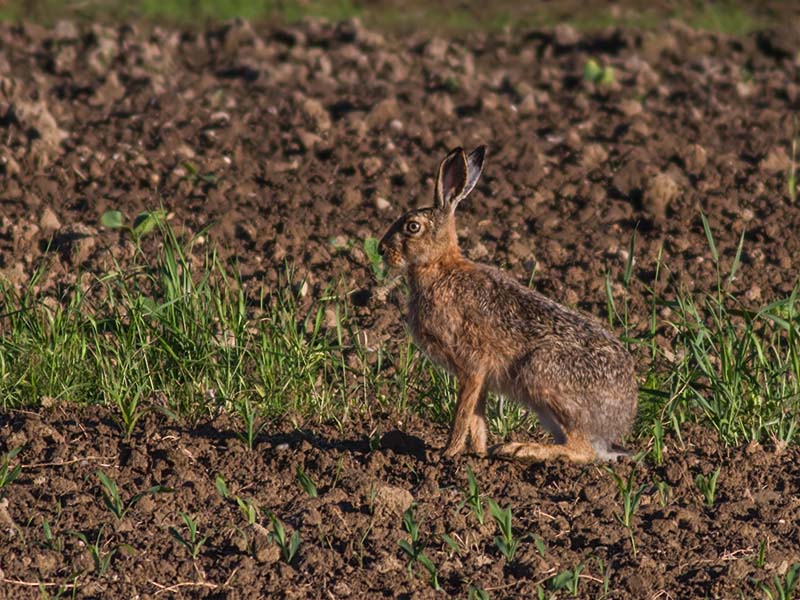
(495, 334)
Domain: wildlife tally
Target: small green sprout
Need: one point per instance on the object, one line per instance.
(657, 451)
(473, 497)
(663, 491)
(760, 558)
(249, 415)
(707, 484)
(783, 589)
(193, 542)
(101, 558)
(414, 548)
(50, 541)
(568, 580)
(143, 224)
(7, 474)
(538, 542)
(249, 510)
(222, 487)
(506, 543)
(454, 546)
(113, 500)
(288, 545)
(592, 71)
(631, 497)
(477, 593)
(194, 176)
(306, 483)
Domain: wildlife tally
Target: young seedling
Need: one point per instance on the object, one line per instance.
(252, 427)
(473, 497)
(222, 487)
(707, 484)
(60, 592)
(760, 558)
(412, 527)
(121, 381)
(249, 510)
(506, 543)
(567, 580)
(477, 593)
(193, 543)
(538, 542)
(306, 483)
(337, 474)
(195, 176)
(783, 589)
(143, 224)
(658, 442)
(605, 572)
(7, 474)
(362, 543)
(113, 500)
(374, 440)
(455, 547)
(663, 491)
(288, 546)
(101, 559)
(621, 315)
(50, 541)
(630, 501)
(593, 72)
(414, 548)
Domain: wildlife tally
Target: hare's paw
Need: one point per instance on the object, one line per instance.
(458, 437)
(531, 452)
(518, 451)
(454, 448)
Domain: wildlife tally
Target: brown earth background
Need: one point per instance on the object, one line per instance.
(293, 144)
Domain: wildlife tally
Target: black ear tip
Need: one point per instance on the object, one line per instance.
(459, 151)
(480, 151)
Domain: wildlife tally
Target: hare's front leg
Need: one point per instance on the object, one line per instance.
(470, 418)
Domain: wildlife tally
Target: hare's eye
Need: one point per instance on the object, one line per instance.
(413, 227)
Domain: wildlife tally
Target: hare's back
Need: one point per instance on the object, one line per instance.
(495, 301)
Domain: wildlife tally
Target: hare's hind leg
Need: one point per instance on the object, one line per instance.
(470, 419)
(576, 448)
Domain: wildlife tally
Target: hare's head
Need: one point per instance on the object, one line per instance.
(425, 235)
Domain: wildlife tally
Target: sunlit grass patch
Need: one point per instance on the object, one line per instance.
(730, 367)
(171, 331)
(174, 331)
(738, 368)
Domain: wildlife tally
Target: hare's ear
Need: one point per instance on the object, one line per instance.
(451, 180)
(474, 169)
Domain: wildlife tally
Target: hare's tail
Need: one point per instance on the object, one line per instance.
(609, 450)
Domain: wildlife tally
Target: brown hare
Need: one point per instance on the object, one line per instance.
(495, 334)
